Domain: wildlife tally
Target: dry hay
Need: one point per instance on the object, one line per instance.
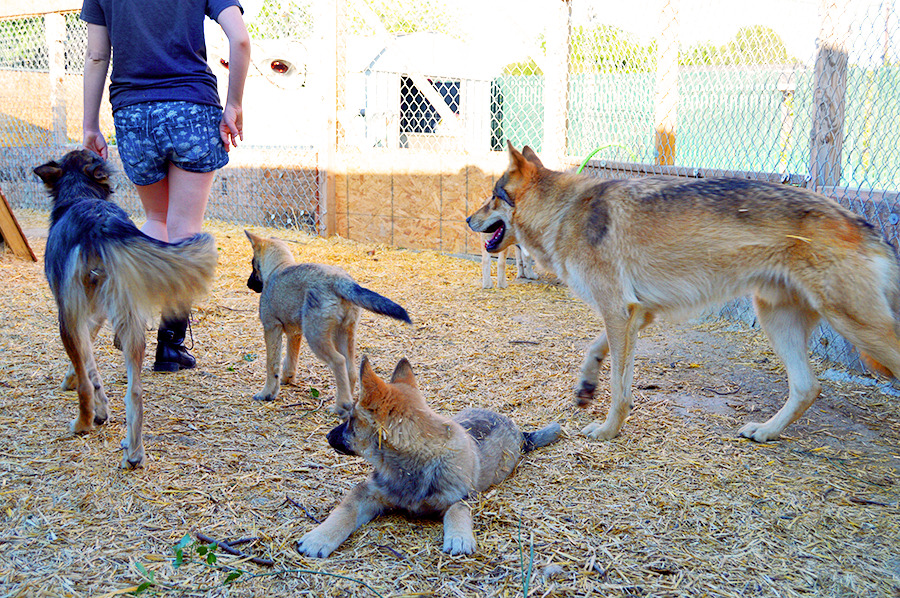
(675, 506)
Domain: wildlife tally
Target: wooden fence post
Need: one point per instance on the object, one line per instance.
(329, 63)
(829, 96)
(666, 112)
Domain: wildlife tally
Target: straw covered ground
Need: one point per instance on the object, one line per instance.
(675, 506)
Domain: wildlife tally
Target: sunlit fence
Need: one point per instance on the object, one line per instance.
(386, 121)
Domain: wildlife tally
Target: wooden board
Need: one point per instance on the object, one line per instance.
(12, 233)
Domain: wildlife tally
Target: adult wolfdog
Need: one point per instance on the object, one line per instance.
(661, 245)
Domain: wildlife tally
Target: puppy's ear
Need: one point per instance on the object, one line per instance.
(49, 173)
(371, 387)
(403, 374)
(254, 239)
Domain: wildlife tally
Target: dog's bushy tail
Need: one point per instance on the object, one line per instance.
(370, 300)
(543, 437)
(145, 275)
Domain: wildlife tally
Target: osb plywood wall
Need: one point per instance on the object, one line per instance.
(414, 201)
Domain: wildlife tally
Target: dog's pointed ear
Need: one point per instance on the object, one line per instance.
(49, 173)
(403, 374)
(532, 157)
(371, 387)
(518, 162)
(254, 239)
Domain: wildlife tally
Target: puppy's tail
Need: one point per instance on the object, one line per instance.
(543, 437)
(370, 300)
(144, 275)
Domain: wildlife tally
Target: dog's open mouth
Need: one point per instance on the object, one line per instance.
(499, 230)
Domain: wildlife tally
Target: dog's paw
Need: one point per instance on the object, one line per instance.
(459, 544)
(758, 432)
(600, 431)
(79, 427)
(313, 544)
(584, 394)
(343, 410)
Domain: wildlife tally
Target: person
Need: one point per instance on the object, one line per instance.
(171, 130)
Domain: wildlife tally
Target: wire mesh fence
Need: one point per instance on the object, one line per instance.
(801, 92)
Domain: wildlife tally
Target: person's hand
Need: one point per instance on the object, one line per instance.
(232, 126)
(94, 141)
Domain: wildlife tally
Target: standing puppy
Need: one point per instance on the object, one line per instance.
(318, 301)
(99, 266)
(636, 248)
(424, 463)
(524, 266)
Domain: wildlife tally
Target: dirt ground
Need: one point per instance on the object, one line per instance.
(674, 506)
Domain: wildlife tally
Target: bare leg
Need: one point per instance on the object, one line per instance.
(188, 196)
(155, 200)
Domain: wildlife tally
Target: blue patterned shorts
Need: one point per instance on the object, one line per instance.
(152, 135)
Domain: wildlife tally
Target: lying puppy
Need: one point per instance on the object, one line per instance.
(318, 301)
(424, 463)
(99, 266)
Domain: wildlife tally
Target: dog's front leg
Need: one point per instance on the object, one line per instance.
(590, 371)
(622, 335)
(458, 535)
(273, 364)
(358, 508)
(485, 269)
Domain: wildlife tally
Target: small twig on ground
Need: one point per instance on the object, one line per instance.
(234, 551)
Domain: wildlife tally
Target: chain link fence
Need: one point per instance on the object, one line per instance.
(343, 96)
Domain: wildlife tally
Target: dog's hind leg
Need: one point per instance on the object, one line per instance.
(322, 345)
(131, 334)
(873, 331)
(291, 354)
(787, 321)
(345, 342)
(76, 340)
(590, 368)
(622, 332)
(70, 380)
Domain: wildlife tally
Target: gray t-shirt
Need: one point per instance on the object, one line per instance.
(159, 50)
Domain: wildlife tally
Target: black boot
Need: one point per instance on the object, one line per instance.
(171, 354)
